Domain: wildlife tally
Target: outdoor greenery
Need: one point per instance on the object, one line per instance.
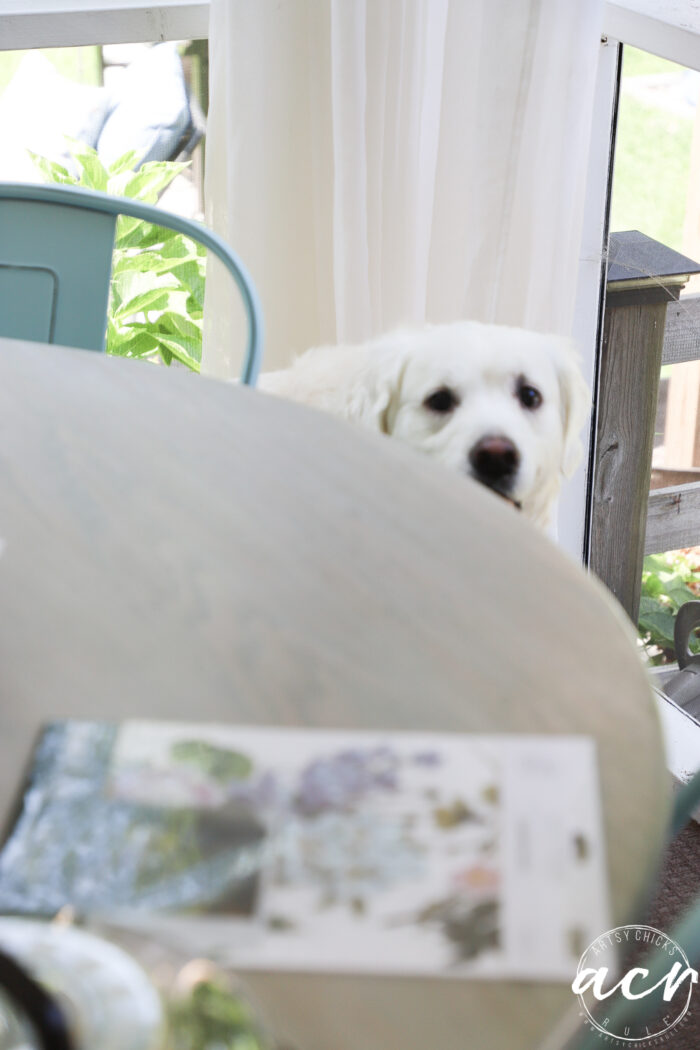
(652, 158)
(642, 64)
(668, 581)
(212, 1017)
(157, 294)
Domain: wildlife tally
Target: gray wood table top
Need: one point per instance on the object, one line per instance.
(176, 547)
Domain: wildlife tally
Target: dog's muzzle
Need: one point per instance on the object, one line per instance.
(494, 461)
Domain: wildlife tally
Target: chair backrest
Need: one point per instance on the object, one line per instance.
(56, 245)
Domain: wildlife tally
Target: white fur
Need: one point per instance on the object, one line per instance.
(383, 385)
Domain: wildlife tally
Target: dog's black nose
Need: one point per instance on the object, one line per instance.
(494, 460)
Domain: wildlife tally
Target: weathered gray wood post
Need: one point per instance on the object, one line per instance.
(643, 277)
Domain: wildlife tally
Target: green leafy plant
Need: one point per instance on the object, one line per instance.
(668, 581)
(212, 1017)
(158, 276)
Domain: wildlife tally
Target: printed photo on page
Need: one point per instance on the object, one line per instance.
(339, 851)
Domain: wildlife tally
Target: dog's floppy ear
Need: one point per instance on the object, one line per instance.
(575, 403)
(358, 383)
(375, 397)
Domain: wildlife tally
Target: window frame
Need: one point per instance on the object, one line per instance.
(26, 24)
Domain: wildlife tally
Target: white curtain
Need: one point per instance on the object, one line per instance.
(377, 162)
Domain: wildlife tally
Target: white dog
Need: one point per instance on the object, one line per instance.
(501, 404)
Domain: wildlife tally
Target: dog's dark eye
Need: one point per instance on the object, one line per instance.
(442, 401)
(528, 396)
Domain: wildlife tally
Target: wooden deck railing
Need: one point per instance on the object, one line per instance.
(644, 327)
(673, 516)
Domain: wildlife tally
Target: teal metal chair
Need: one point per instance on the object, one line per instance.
(686, 934)
(56, 245)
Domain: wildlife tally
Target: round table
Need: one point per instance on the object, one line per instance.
(176, 547)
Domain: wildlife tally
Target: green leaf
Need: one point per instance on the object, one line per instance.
(191, 275)
(652, 585)
(182, 247)
(127, 285)
(647, 605)
(659, 623)
(94, 173)
(135, 233)
(139, 344)
(52, 171)
(180, 349)
(153, 299)
(170, 321)
(134, 262)
(124, 163)
(679, 595)
(194, 308)
(152, 178)
(113, 339)
(153, 262)
(130, 232)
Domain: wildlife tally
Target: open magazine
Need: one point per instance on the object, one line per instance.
(385, 852)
